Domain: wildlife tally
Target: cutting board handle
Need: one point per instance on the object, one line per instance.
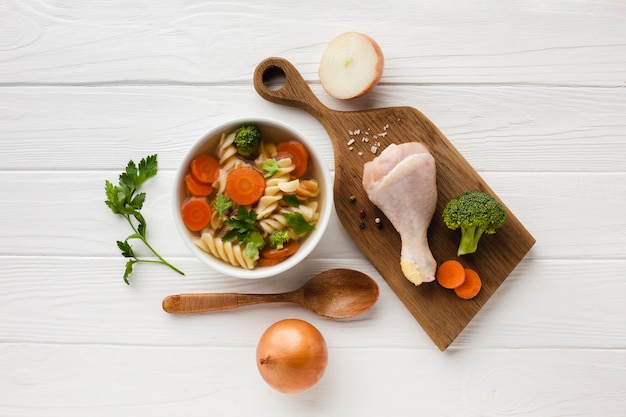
(294, 91)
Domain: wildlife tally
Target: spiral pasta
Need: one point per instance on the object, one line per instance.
(226, 151)
(229, 252)
(275, 187)
(266, 151)
(307, 189)
(277, 221)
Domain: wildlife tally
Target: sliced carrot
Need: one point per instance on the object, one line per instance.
(196, 214)
(205, 168)
(299, 153)
(471, 287)
(245, 185)
(197, 188)
(288, 249)
(450, 274)
(268, 262)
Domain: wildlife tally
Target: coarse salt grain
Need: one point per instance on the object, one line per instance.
(360, 153)
(373, 149)
(351, 142)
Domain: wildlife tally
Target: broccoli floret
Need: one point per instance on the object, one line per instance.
(278, 239)
(475, 213)
(247, 140)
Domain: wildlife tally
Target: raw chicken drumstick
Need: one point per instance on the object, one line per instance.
(401, 181)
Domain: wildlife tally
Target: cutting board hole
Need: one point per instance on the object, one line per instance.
(274, 78)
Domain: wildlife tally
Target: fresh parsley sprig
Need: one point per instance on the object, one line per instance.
(123, 199)
(241, 228)
(298, 223)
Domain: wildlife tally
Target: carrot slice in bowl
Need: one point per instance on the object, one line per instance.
(300, 156)
(287, 250)
(245, 185)
(205, 168)
(196, 214)
(197, 188)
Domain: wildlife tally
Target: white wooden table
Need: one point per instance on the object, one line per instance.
(533, 93)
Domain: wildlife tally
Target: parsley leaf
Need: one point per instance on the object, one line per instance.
(270, 166)
(242, 228)
(124, 200)
(221, 204)
(291, 200)
(298, 223)
(254, 243)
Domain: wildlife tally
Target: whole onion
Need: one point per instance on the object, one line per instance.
(291, 355)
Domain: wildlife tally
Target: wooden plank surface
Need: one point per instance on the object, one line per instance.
(532, 94)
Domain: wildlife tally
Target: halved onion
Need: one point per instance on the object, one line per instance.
(292, 355)
(351, 65)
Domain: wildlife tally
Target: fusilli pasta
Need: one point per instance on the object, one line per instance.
(307, 189)
(226, 151)
(275, 186)
(229, 252)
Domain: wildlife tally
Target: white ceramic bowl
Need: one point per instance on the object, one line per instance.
(318, 170)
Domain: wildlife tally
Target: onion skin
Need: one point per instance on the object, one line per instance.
(292, 356)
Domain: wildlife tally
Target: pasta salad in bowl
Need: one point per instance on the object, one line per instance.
(252, 198)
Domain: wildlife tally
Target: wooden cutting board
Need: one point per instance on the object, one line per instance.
(439, 311)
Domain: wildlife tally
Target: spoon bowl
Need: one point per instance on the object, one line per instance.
(334, 293)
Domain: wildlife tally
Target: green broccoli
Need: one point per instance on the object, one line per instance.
(279, 238)
(247, 140)
(475, 213)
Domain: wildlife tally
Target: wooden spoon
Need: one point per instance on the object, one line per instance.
(335, 293)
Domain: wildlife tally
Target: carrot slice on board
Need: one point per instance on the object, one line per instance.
(471, 287)
(197, 188)
(205, 168)
(245, 185)
(299, 153)
(196, 214)
(450, 274)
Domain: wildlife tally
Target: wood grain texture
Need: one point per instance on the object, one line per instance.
(162, 381)
(497, 128)
(441, 42)
(532, 94)
(442, 315)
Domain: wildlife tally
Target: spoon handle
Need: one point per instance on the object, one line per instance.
(204, 302)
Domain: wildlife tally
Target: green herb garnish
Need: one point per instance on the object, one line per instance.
(291, 200)
(221, 204)
(241, 228)
(122, 199)
(254, 243)
(298, 223)
(270, 166)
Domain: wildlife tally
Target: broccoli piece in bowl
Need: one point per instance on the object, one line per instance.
(247, 140)
(278, 239)
(475, 213)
